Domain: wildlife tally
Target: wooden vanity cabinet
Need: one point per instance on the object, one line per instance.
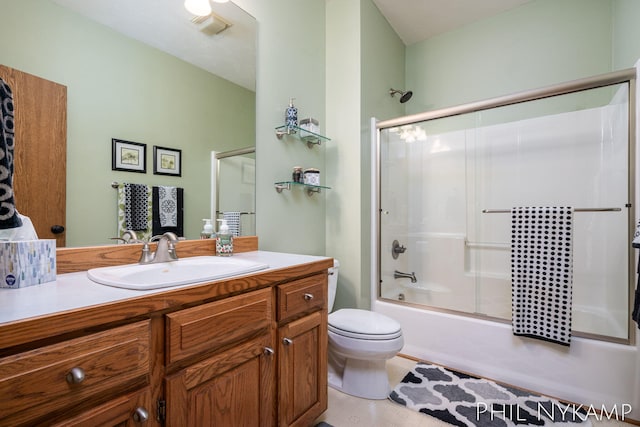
(235, 386)
(247, 380)
(129, 410)
(302, 350)
(194, 357)
(42, 385)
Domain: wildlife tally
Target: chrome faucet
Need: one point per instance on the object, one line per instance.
(128, 236)
(165, 252)
(399, 274)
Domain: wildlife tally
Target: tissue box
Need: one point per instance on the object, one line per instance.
(308, 124)
(27, 262)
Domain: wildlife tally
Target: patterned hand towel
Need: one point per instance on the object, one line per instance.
(8, 214)
(178, 229)
(136, 206)
(233, 221)
(542, 272)
(168, 206)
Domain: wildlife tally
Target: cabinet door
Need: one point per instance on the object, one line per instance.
(302, 352)
(131, 410)
(233, 388)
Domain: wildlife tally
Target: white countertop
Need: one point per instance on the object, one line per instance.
(73, 291)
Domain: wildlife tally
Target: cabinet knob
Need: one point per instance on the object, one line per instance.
(308, 297)
(287, 341)
(268, 351)
(57, 229)
(140, 415)
(75, 376)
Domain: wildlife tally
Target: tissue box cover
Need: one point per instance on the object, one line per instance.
(27, 262)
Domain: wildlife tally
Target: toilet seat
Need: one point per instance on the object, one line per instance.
(363, 324)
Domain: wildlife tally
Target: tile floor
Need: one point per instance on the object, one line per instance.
(349, 411)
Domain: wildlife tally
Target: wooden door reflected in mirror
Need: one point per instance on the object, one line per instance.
(40, 154)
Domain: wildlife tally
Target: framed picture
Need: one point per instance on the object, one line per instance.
(167, 161)
(128, 156)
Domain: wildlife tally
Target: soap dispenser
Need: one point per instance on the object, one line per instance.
(207, 230)
(291, 115)
(224, 240)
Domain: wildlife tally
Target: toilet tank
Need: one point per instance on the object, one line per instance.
(333, 283)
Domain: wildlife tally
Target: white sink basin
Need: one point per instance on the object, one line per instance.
(165, 274)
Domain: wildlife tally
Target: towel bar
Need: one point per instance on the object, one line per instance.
(575, 210)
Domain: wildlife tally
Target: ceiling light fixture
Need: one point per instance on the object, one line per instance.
(198, 7)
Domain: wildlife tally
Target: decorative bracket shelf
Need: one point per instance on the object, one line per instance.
(311, 189)
(311, 138)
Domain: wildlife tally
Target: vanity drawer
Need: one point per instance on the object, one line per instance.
(211, 326)
(302, 296)
(49, 379)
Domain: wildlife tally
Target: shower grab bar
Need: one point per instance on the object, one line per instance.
(488, 245)
(575, 210)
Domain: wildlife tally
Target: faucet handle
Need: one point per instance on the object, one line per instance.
(146, 256)
(171, 236)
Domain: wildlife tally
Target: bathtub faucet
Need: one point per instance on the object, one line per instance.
(399, 274)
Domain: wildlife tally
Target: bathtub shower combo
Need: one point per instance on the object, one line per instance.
(445, 184)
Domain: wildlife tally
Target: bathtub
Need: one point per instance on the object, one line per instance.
(588, 372)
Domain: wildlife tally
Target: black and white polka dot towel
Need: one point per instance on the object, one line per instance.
(542, 272)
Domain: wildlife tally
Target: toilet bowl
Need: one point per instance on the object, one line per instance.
(360, 343)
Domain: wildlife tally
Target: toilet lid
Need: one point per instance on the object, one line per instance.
(364, 324)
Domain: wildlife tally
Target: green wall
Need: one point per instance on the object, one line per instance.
(365, 58)
(120, 88)
(541, 43)
(626, 33)
(290, 63)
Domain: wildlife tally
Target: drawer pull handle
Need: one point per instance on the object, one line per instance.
(268, 351)
(308, 297)
(140, 415)
(75, 376)
(287, 341)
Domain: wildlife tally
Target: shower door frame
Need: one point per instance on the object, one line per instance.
(627, 76)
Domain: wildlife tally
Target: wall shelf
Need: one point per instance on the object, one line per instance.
(311, 138)
(311, 189)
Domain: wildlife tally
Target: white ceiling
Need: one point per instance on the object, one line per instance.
(166, 25)
(418, 20)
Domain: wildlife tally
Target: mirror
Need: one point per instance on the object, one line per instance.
(123, 88)
(233, 183)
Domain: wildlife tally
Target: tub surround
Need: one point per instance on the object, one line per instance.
(158, 349)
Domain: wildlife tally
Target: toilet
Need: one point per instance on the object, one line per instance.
(360, 343)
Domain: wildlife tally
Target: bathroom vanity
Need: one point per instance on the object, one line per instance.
(248, 350)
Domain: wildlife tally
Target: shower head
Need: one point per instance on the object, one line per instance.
(405, 96)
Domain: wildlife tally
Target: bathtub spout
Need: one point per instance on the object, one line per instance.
(399, 274)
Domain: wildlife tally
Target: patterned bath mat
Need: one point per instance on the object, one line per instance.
(464, 400)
